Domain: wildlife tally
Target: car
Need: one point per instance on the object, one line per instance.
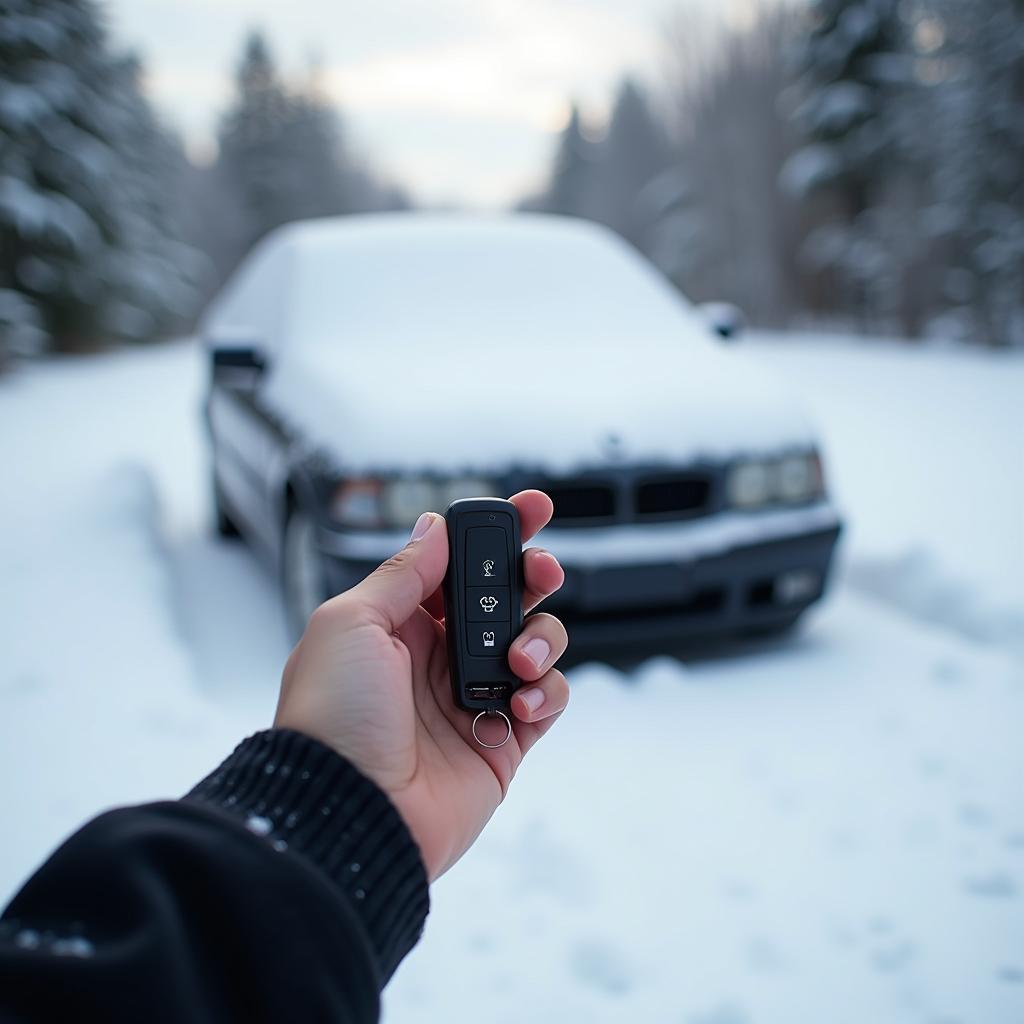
(366, 368)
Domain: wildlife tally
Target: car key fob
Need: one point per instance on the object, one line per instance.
(483, 600)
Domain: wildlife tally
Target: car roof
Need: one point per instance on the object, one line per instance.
(383, 275)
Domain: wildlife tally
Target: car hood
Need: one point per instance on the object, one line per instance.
(556, 407)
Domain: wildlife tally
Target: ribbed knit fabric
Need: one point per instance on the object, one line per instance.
(298, 793)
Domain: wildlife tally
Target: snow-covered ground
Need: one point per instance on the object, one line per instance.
(825, 829)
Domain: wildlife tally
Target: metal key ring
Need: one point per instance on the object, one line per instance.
(488, 714)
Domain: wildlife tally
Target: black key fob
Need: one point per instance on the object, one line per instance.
(483, 601)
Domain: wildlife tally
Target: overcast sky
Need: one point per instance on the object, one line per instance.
(458, 99)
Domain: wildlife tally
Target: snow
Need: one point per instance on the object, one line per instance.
(338, 303)
(809, 168)
(653, 542)
(838, 107)
(826, 828)
(927, 468)
(458, 415)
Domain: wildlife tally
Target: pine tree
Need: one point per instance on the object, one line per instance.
(977, 99)
(569, 189)
(634, 153)
(282, 157)
(252, 161)
(85, 232)
(734, 234)
(856, 77)
(156, 271)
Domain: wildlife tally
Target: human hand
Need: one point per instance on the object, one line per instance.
(370, 679)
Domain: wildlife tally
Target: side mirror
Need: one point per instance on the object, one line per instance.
(252, 358)
(239, 366)
(725, 319)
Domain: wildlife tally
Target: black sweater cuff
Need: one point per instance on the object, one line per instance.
(301, 795)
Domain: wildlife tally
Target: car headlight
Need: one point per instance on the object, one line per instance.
(798, 478)
(791, 480)
(398, 503)
(402, 501)
(357, 503)
(750, 484)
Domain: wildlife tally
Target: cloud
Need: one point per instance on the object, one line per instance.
(503, 71)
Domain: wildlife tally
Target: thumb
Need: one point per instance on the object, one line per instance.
(393, 591)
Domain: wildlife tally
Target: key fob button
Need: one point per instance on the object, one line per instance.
(488, 639)
(487, 604)
(486, 557)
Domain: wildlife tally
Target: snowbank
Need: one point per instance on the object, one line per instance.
(923, 454)
(825, 829)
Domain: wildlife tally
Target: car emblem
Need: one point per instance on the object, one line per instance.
(612, 446)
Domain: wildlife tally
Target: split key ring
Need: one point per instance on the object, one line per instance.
(491, 714)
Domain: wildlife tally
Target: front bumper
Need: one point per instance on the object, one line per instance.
(659, 583)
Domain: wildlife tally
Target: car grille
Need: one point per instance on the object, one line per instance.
(631, 497)
(582, 501)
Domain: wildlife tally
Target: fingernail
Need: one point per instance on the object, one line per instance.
(422, 525)
(537, 650)
(533, 697)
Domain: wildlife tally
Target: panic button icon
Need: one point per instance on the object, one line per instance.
(488, 602)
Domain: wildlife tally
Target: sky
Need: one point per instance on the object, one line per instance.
(459, 100)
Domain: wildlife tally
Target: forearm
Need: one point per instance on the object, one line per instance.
(284, 886)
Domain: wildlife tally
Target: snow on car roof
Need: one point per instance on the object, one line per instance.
(398, 278)
(406, 342)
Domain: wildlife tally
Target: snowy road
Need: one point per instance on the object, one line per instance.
(827, 829)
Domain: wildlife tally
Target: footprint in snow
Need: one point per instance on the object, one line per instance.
(974, 815)
(996, 885)
(600, 965)
(948, 673)
(550, 867)
(25, 684)
(764, 956)
(724, 1013)
(880, 925)
(737, 890)
(892, 956)
(932, 766)
(1015, 841)
(481, 943)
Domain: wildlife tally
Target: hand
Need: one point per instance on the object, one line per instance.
(370, 679)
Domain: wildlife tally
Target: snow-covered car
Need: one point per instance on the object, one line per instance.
(367, 368)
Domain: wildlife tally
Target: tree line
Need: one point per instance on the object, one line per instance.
(854, 160)
(107, 232)
(860, 161)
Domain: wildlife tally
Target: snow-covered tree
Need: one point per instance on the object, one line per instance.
(634, 153)
(735, 233)
(88, 249)
(973, 60)
(254, 164)
(571, 182)
(283, 157)
(857, 74)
